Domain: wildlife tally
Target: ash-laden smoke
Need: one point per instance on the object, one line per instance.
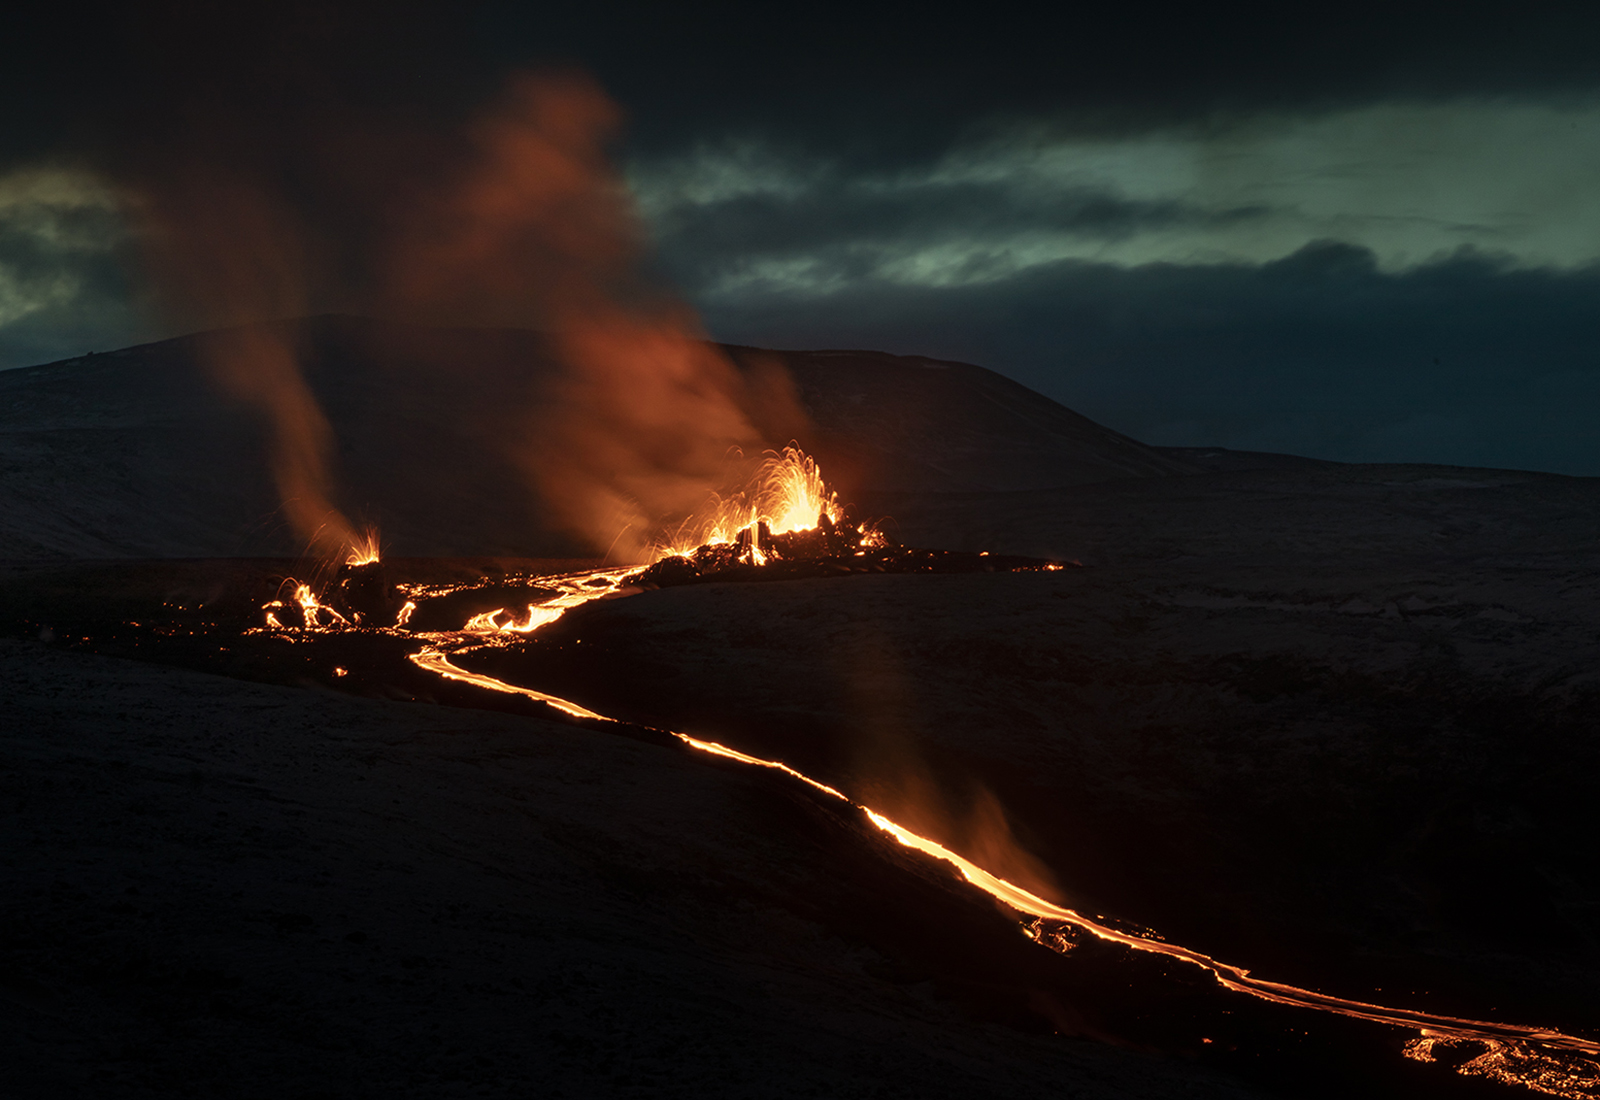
(222, 248)
(637, 429)
(516, 219)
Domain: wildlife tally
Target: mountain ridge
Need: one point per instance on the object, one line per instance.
(136, 453)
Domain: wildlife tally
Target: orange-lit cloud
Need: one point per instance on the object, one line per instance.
(640, 423)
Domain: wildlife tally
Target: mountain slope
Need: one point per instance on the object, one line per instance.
(906, 422)
(136, 454)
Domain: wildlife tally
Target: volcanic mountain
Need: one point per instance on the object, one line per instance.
(1333, 723)
(136, 454)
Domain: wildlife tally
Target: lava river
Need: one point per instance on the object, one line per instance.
(1539, 1059)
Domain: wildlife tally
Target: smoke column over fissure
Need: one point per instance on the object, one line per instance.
(223, 249)
(515, 218)
(639, 424)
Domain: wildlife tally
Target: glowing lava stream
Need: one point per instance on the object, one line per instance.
(1507, 1059)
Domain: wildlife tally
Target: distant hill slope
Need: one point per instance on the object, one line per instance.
(135, 454)
(1223, 460)
(891, 422)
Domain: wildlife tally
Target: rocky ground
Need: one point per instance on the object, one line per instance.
(217, 888)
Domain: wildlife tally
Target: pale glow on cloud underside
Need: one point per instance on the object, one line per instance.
(53, 222)
(1414, 183)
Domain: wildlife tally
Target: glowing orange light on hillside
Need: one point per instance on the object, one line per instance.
(787, 493)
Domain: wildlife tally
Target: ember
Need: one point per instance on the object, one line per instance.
(827, 549)
(786, 495)
(364, 549)
(360, 595)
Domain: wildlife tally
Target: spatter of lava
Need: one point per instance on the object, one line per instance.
(786, 524)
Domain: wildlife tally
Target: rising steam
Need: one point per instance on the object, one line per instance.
(222, 249)
(520, 221)
(639, 425)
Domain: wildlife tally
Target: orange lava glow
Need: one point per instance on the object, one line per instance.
(571, 592)
(435, 659)
(314, 615)
(360, 550)
(364, 548)
(1516, 1064)
(534, 228)
(787, 493)
(1541, 1059)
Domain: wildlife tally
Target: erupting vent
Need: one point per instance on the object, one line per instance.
(359, 596)
(787, 495)
(788, 525)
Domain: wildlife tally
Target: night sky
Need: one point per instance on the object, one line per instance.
(1359, 233)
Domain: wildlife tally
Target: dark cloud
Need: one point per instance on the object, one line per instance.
(873, 83)
(882, 84)
(843, 227)
(1463, 361)
(91, 81)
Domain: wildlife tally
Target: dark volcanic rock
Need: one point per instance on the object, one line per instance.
(214, 888)
(363, 594)
(1334, 723)
(827, 550)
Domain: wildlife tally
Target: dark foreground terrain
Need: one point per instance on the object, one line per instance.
(218, 888)
(1332, 723)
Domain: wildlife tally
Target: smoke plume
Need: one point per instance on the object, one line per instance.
(513, 218)
(640, 423)
(226, 253)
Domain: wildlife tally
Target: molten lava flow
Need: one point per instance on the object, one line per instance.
(305, 602)
(550, 609)
(786, 495)
(1540, 1059)
(1515, 1064)
(569, 591)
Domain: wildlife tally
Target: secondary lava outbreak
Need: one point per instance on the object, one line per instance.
(785, 525)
